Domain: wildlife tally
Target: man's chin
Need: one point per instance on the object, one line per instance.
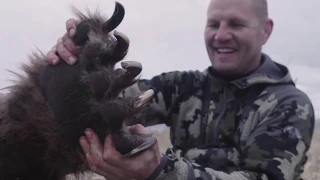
(225, 70)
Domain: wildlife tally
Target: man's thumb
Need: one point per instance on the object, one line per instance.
(139, 129)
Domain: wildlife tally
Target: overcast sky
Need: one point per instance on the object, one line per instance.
(165, 35)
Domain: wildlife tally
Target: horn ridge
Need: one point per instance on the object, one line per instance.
(115, 19)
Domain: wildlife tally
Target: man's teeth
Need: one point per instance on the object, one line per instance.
(225, 50)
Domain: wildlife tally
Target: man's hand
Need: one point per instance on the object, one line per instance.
(65, 46)
(108, 162)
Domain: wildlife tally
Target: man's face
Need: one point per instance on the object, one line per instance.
(234, 36)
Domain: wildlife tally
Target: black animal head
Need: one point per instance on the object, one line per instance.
(85, 95)
(48, 110)
(95, 39)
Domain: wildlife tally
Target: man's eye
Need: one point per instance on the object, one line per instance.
(236, 25)
(215, 25)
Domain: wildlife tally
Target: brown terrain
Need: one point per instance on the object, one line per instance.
(312, 168)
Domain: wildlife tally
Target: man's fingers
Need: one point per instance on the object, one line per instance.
(52, 56)
(65, 54)
(139, 129)
(92, 149)
(110, 154)
(109, 149)
(65, 46)
(86, 149)
(84, 144)
(95, 146)
(71, 26)
(67, 41)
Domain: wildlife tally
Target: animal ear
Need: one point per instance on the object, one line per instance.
(115, 19)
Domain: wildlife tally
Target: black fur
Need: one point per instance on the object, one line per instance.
(46, 111)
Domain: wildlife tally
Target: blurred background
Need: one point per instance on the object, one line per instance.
(165, 35)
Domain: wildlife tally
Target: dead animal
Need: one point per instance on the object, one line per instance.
(47, 110)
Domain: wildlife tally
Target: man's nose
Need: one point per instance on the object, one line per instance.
(223, 34)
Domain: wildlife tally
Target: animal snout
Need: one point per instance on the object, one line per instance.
(97, 49)
(109, 45)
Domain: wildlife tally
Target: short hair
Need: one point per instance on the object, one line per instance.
(261, 8)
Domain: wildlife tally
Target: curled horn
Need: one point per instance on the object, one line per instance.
(115, 19)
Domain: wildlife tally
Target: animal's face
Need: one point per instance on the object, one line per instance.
(96, 40)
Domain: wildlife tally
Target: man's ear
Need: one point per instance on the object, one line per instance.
(267, 30)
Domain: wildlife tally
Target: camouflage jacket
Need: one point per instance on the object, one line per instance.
(255, 127)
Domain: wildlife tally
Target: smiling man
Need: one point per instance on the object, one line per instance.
(234, 35)
(242, 118)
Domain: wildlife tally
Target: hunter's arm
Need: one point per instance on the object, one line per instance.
(273, 150)
(167, 88)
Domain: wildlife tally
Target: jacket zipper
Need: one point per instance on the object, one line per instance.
(226, 101)
(216, 124)
(205, 110)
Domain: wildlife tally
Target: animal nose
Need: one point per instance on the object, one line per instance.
(108, 46)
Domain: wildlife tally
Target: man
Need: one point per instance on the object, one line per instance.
(242, 118)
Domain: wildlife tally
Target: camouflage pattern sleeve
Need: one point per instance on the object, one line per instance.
(166, 87)
(273, 145)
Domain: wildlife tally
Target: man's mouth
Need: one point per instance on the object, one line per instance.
(225, 50)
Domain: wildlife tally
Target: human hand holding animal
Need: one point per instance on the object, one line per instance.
(106, 161)
(47, 110)
(65, 46)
